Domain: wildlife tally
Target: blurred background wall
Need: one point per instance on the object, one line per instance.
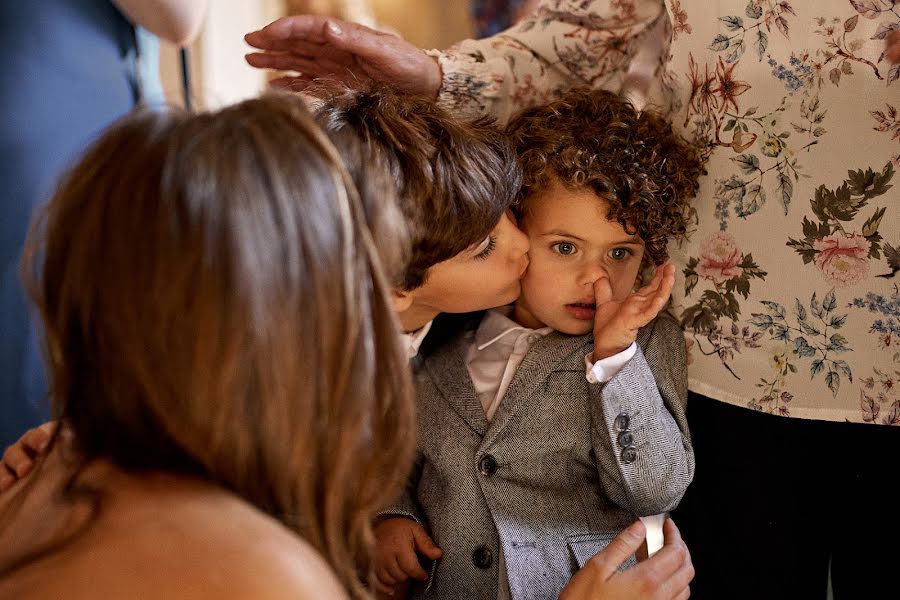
(220, 76)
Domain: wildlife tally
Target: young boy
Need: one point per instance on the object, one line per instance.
(546, 427)
(455, 182)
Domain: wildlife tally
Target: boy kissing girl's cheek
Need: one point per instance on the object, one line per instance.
(572, 245)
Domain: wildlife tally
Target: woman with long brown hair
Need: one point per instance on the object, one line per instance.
(223, 348)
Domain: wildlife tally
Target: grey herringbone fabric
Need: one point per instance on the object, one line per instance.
(561, 489)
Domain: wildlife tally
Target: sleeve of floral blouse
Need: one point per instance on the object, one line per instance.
(564, 43)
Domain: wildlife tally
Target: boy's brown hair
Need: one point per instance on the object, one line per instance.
(454, 178)
(633, 160)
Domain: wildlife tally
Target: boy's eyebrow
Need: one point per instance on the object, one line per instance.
(634, 239)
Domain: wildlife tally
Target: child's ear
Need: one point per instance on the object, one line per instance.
(402, 300)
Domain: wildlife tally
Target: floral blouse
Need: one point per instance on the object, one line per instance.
(788, 285)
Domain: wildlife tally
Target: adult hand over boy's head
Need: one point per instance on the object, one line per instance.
(321, 48)
(616, 322)
(664, 576)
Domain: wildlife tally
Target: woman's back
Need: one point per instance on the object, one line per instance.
(157, 536)
(207, 284)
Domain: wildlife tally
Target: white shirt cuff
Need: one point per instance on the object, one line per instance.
(654, 526)
(606, 368)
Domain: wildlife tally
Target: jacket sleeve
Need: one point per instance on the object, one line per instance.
(640, 434)
(564, 43)
(406, 504)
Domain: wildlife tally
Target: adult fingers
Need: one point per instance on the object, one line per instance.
(673, 586)
(303, 49)
(365, 43)
(680, 582)
(673, 538)
(43, 433)
(295, 27)
(7, 479)
(309, 31)
(287, 61)
(18, 459)
(670, 569)
(608, 560)
(671, 534)
(387, 58)
(281, 61)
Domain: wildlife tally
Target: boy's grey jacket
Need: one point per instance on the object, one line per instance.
(554, 476)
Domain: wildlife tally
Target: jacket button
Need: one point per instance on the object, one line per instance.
(622, 422)
(487, 465)
(626, 438)
(482, 557)
(629, 455)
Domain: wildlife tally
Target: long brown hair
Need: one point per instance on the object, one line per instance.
(214, 305)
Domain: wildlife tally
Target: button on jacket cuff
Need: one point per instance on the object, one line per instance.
(606, 368)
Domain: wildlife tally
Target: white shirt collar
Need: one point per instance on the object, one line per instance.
(414, 339)
(497, 323)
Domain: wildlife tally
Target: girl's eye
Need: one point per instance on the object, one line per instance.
(619, 253)
(564, 248)
(492, 243)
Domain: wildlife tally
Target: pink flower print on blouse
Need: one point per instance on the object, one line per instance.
(719, 258)
(843, 259)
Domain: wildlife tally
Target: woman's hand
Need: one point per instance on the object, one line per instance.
(321, 48)
(18, 459)
(664, 576)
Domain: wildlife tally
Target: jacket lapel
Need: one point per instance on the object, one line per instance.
(542, 359)
(446, 368)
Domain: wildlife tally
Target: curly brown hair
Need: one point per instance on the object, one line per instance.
(633, 160)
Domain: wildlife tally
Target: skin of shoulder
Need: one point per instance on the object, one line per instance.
(163, 536)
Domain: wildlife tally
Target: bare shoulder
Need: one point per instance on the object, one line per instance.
(214, 545)
(160, 536)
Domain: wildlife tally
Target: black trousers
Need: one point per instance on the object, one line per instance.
(775, 499)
